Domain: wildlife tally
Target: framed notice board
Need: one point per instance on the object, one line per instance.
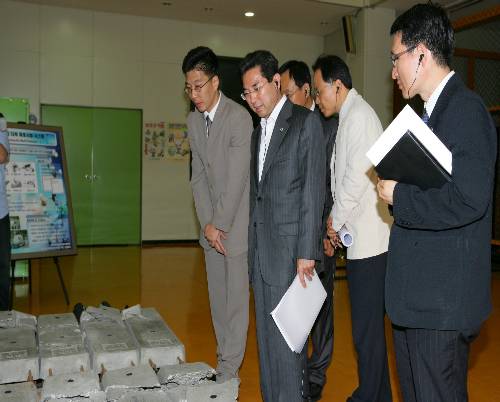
(38, 194)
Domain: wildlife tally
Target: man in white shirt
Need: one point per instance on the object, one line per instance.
(296, 86)
(357, 208)
(438, 287)
(287, 184)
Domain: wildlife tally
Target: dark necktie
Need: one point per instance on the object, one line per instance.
(209, 124)
(425, 117)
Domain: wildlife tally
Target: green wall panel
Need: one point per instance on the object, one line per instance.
(15, 110)
(103, 150)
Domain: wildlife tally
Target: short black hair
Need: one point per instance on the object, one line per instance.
(201, 58)
(427, 24)
(333, 68)
(298, 71)
(260, 58)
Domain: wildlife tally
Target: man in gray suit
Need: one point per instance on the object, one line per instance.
(287, 192)
(219, 133)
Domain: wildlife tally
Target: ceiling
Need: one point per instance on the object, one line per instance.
(315, 17)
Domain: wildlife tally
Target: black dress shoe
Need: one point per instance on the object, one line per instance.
(315, 391)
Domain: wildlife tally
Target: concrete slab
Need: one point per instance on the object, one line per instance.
(184, 374)
(113, 382)
(47, 321)
(225, 392)
(75, 385)
(15, 319)
(157, 342)
(20, 392)
(62, 350)
(146, 396)
(18, 355)
(110, 345)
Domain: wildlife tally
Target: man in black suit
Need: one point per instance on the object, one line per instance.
(287, 192)
(296, 86)
(439, 267)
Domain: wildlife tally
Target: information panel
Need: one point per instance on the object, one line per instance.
(41, 217)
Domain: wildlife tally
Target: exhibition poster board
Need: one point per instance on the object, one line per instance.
(38, 193)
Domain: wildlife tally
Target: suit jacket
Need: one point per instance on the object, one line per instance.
(286, 206)
(439, 263)
(330, 126)
(220, 172)
(355, 199)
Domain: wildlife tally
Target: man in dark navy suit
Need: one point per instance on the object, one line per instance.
(296, 86)
(439, 263)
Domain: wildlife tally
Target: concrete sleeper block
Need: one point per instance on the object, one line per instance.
(73, 385)
(18, 355)
(62, 351)
(114, 382)
(157, 342)
(111, 346)
(20, 392)
(185, 374)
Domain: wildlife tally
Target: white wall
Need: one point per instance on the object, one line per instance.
(370, 66)
(74, 57)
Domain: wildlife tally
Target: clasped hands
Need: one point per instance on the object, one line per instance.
(214, 237)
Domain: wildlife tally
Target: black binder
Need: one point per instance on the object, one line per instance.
(411, 163)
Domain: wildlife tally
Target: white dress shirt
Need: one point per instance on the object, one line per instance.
(266, 132)
(211, 114)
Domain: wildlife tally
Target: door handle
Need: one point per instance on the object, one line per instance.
(87, 177)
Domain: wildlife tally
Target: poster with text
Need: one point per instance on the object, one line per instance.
(38, 193)
(177, 141)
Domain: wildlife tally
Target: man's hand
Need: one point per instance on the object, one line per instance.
(305, 268)
(385, 190)
(328, 248)
(214, 237)
(332, 234)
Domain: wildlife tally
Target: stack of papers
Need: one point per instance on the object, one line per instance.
(297, 310)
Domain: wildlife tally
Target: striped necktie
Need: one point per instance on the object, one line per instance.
(209, 124)
(425, 117)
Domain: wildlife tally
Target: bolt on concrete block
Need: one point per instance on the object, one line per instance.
(18, 355)
(20, 392)
(157, 342)
(185, 374)
(110, 345)
(62, 351)
(72, 385)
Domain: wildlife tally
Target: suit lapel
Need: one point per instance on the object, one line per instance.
(442, 101)
(279, 132)
(219, 117)
(255, 153)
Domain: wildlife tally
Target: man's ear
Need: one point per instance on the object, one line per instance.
(307, 89)
(216, 81)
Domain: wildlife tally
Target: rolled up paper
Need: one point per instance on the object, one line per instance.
(345, 236)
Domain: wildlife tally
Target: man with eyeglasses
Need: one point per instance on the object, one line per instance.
(287, 185)
(219, 132)
(296, 86)
(438, 287)
(357, 208)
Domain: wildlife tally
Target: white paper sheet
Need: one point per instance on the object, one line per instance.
(297, 310)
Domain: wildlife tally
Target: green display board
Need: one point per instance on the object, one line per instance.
(103, 148)
(15, 110)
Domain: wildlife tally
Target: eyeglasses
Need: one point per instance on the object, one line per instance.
(395, 57)
(255, 89)
(196, 88)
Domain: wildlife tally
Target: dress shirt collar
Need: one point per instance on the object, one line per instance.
(431, 102)
(274, 114)
(313, 106)
(211, 114)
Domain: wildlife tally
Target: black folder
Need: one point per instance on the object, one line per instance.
(410, 162)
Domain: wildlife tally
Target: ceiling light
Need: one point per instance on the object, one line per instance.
(249, 14)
